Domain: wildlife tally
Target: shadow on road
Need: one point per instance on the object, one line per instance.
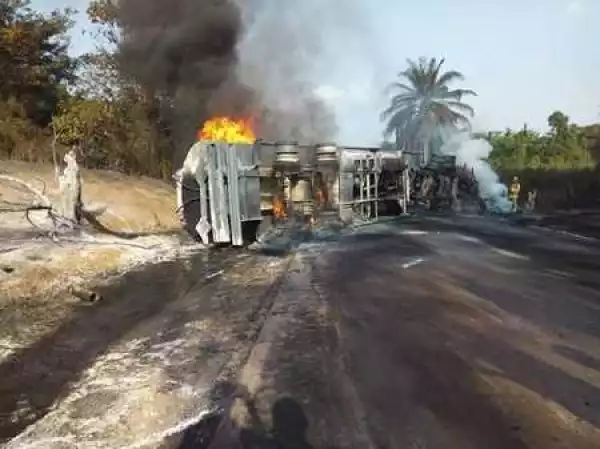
(287, 427)
(290, 426)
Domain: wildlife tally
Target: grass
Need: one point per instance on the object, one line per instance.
(36, 279)
(134, 204)
(35, 275)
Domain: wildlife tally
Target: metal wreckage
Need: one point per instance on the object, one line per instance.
(232, 186)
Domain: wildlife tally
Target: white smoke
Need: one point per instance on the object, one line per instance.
(473, 152)
(285, 46)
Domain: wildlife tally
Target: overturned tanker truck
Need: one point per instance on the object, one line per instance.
(232, 186)
(443, 185)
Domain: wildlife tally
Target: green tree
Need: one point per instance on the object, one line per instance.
(566, 144)
(105, 13)
(423, 104)
(564, 147)
(515, 150)
(33, 58)
(558, 122)
(18, 136)
(591, 135)
(113, 121)
(115, 134)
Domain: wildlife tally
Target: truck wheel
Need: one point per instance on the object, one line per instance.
(250, 231)
(188, 205)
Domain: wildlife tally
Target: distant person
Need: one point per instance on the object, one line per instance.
(531, 200)
(454, 194)
(515, 189)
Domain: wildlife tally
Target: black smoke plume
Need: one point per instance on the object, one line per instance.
(190, 54)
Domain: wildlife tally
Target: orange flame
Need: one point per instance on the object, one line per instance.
(279, 208)
(228, 130)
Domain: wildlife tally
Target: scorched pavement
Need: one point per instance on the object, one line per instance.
(428, 333)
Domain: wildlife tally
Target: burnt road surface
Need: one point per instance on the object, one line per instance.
(430, 333)
(448, 333)
(468, 333)
(131, 370)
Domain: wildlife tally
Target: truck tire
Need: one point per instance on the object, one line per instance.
(188, 205)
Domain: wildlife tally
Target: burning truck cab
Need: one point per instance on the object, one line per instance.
(232, 185)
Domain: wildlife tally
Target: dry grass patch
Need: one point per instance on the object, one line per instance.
(39, 279)
(36, 275)
(134, 204)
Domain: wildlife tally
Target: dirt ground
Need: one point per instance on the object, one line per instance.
(133, 204)
(44, 280)
(133, 208)
(128, 372)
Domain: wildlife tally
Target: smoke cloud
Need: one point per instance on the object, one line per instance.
(279, 55)
(474, 153)
(232, 57)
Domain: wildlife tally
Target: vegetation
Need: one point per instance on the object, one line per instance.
(49, 97)
(423, 104)
(564, 147)
(560, 164)
(116, 122)
(35, 66)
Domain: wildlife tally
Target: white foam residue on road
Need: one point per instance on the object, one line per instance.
(153, 249)
(312, 247)
(413, 262)
(507, 253)
(413, 232)
(159, 437)
(214, 275)
(468, 238)
(8, 347)
(558, 273)
(112, 394)
(153, 439)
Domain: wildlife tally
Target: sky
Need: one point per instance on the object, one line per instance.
(524, 58)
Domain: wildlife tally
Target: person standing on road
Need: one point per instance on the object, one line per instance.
(515, 189)
(531, 198)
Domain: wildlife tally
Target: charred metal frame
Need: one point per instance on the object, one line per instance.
(234, 185)
(227, 187)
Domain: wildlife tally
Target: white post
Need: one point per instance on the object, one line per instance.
(425, 152)
(70, 189)
(406, 178)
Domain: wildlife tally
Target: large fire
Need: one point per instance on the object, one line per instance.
(228, 130)
(279, 212)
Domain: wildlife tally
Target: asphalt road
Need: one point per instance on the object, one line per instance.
(464, 333)
(431, 333)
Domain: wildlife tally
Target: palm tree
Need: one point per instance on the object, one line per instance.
(423, 105)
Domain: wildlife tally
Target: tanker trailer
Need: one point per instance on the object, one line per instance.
(218, 186)
(232, 187)
(361, 182)
(443, 185)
